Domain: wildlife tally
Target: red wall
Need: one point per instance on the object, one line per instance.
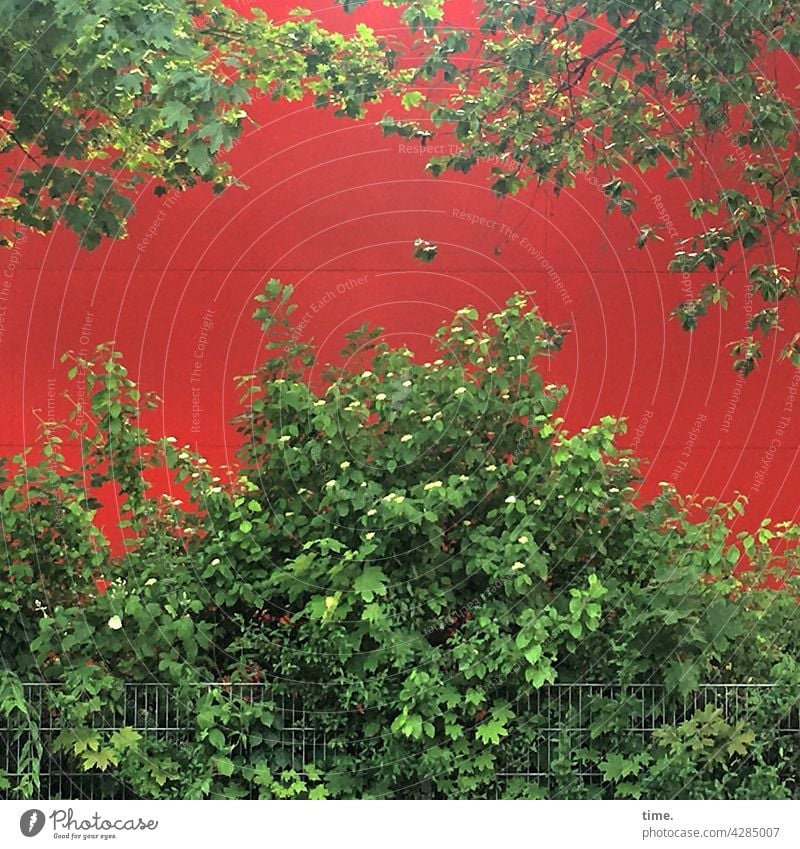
(334, 207)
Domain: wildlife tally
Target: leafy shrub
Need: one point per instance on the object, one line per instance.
(408, 554)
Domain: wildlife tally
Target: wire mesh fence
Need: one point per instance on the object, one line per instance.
(550, 721)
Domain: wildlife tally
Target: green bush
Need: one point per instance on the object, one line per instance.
(408, 554)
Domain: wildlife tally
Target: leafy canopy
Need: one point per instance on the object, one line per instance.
(102, 96)
(633, 91)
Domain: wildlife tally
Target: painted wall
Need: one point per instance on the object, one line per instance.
(333, 207)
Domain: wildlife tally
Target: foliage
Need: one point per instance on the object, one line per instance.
(102, 96)
(626, 95)
(629, 94)
(410, 553)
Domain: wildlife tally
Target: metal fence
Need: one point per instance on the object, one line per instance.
(549, 721)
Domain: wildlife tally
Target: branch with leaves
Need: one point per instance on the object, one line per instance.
(101, 97)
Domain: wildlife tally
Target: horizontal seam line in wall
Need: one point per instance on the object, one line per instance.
(276, 268)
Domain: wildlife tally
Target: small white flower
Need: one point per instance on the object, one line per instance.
(215, 561)
(115, 623)
(183, 456)
(371, 512)
(433, 485)
(289, 513)
(149, 582)
(492, 369)
(517, 565)
(390, 497)
(437, 415)
(479, 360)
(381, 396)
(406, 383)
(505, 396)
(345, 464)
(463, 478)
(285, 438)
(491, 468)
(460, 391)
(512, 499)
(400, 499)
(523, 540)
(537, 502)
(302, 490)
(426, 418)
(469, 341)
(331, 483)
(366, 374)
(438, 362)
(456, 329)
(370, 535)
(613, 489)
(321, 403)
(280, 380)
(363, 483)
(406, 437)
(171, 439)
(520, 356)
(215, 489)
(467, 522)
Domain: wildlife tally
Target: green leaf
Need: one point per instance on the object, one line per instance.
(101, 759)
(683, 676)
(217, 739)
(80, 740)
(177, 115)
(125, 738)
(412, 99)
(491, 731)
(369, 583)
(224, 766)
(741, 741)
